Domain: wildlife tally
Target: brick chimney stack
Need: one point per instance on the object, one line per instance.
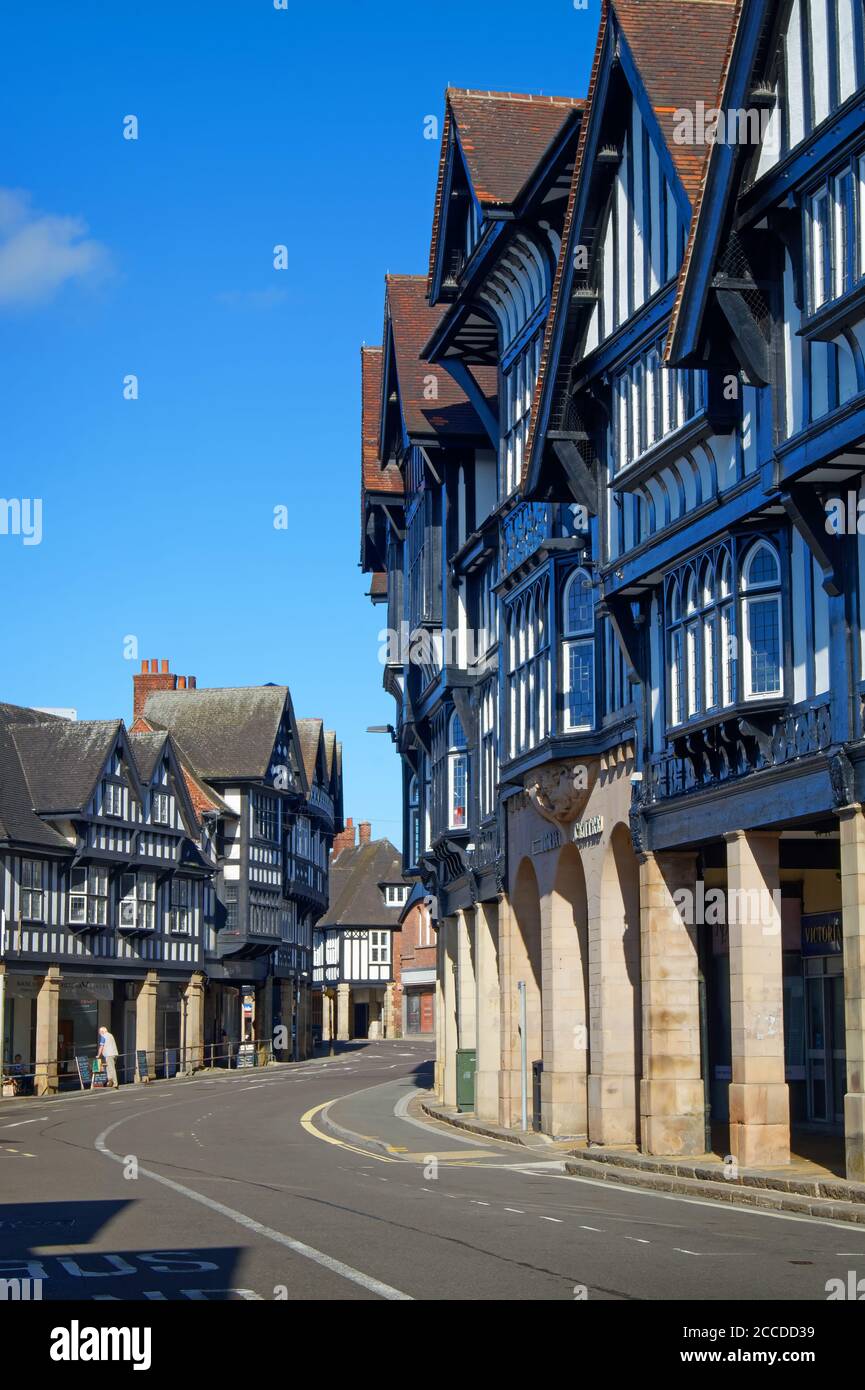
(345, 838)
(365, 832)
(155, 675)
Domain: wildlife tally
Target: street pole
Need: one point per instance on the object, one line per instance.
(2, 989)
(524, 1099)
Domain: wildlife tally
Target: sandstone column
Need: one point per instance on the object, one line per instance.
(449, 1012)
(466, 987)
(488, 1010)
(145, 1022)
(671, 1091)
(343, 1021)
(759, 1097)
(615, 1017)
(326, 1016)
(565, 1025)
(852, 827)
(194, 996)
(286, 1004)
(47, 1032)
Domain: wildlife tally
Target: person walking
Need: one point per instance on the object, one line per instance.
(107, 1050)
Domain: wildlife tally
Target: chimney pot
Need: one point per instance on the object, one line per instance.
(365, 832)
(192, 682)
(165, 668)
(181, 682)
(144, 665)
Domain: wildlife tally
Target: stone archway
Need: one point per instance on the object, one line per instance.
(615, 1034)
(565, 957)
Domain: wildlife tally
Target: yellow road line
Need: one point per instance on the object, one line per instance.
(306, 1121)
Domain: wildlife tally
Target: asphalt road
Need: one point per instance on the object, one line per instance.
(319, 1181)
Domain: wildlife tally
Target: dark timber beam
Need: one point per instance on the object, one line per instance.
(628, 631)
(581, 480)
(808, 515)
(752, 346)
(463, 377)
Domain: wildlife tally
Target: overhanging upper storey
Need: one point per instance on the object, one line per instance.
(420, 403)
(506, 159)
(630, 206)
(791, 101)
(381, 489)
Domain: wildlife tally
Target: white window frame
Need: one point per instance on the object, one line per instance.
(137, 905)
(112, 799)
(458, 762)
(32, 889)
(577, 634)
(88, 904)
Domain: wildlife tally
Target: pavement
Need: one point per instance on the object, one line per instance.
(324, 1180)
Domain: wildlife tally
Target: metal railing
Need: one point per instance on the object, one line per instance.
(154, 1064)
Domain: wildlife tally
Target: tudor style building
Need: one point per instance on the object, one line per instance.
(106, 893)
(138, 893)
(278, 785)
(356, 944)
(680, 667)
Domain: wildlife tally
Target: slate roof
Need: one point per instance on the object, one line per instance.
(147, 749)
(62, 761)
(225, 732)
(503, 137)
(356, 900)
(309, 733)
(18, 820)
(413, 323)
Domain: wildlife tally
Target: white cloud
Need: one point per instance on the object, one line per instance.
(40, 252)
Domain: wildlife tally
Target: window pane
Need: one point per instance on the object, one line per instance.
(580, 685)
(764, 640)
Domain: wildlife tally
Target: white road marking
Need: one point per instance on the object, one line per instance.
(476, 1203)
(299, 1247)
(557, 1219)
(591, 1228)
(679, 1251)
(637, 1240)
(34, 1121)
(515, 1210)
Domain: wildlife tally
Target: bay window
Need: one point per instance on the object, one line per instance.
(458, 774)
(578, 652)
(88, 896)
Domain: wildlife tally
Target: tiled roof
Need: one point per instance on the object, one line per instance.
(355, 896)
(378, 584)
(412, 324)
(374, 477)
(147, 747)
(690, 249)
(503, 136)
(680, 48)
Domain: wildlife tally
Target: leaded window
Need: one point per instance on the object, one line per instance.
(578, 652)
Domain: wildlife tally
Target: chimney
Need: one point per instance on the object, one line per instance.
(365, 832)
(345, 838)
(155, 675)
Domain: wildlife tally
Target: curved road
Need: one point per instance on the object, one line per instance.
(320, 1181)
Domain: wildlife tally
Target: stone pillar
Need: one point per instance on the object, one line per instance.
(47, 1032)
(488, 1013)
(390, 1016)
(466, 986)
(448, 930)
(264, 1016)
(326, 1016)
(509, 1017)
(759, 1096)
(852, 827)
(564, 1107)
(438, 1067)
(303, 1021)
(343, 1019)
(671, 1091)
(615, 1015)
(193, 995)
(145, 1021)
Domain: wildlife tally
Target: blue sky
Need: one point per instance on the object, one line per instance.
(154, 257)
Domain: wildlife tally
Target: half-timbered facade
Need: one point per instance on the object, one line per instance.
(677, 558)
(279, 787)
(356, 943)
(105, 873)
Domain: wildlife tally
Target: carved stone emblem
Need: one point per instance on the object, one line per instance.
(559, 791)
